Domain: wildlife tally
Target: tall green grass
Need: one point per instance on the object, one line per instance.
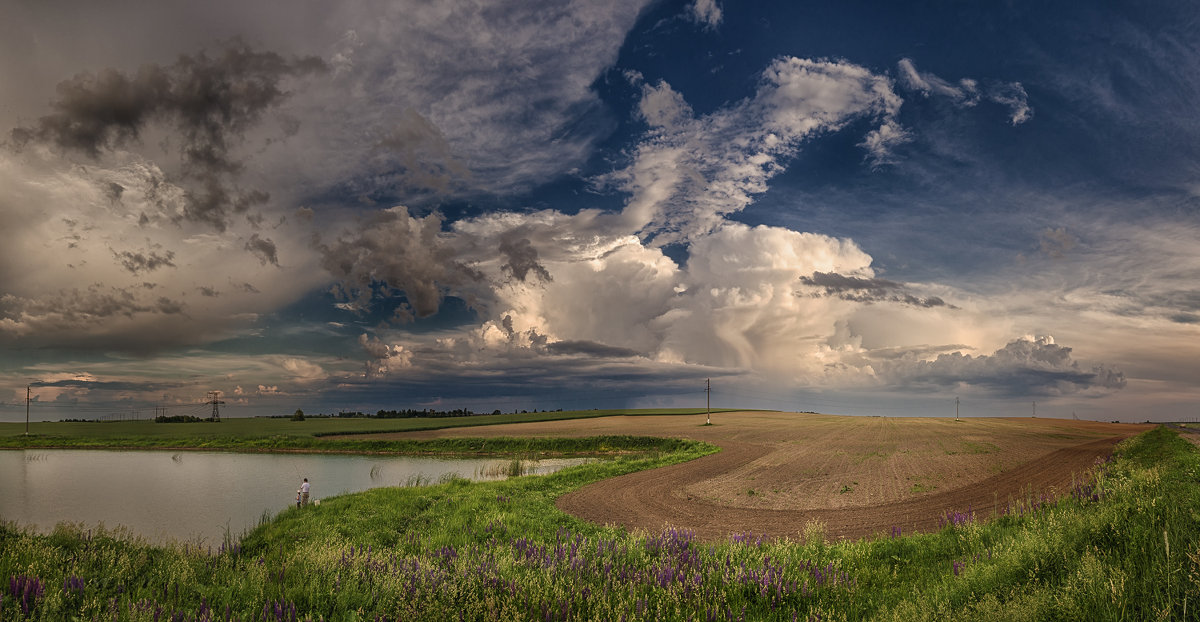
(1122, 546)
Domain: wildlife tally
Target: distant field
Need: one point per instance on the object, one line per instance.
(858, 475)
(262, 426)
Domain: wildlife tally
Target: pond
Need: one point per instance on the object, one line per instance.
(199, 497)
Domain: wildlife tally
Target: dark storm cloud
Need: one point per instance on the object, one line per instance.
(1023, 367)
(145, 261)
(590, 348)
(932, 301)
(167, 306)
(104, 385)
(522, 259)
(837, 284)
(382, 357)
(855, 289)
(114, 191)
(391, 253)
(374, 348)
(77, 308)
(208, 101)
(549, 382)
(213, 202)
(264, 249)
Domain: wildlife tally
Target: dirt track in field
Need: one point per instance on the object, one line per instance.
(860, 476)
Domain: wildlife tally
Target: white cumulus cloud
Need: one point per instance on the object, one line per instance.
(690, 172)
(706, 12)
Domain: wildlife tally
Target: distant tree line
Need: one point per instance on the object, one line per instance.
(179, 419)
(412, 412)
(407, 413)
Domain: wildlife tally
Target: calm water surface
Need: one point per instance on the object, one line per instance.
(192, 496)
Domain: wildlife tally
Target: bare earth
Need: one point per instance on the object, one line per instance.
(1189, 432)
(859, 476)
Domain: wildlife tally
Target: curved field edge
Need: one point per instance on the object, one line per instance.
(1124, 545)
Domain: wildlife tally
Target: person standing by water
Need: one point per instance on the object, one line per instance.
(304, 492)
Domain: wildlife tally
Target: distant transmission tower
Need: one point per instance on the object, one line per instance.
(213, 398)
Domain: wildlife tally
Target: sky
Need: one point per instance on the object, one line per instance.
(866, 208)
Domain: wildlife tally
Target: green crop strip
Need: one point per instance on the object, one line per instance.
(523, 446)
(13, 434)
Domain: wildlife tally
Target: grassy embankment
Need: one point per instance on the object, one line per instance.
(1124, 546)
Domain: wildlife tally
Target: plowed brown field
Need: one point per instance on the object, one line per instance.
(859, 476)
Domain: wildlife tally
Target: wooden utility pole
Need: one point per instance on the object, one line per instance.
(956, 409)
(708, 401)
(26, 410)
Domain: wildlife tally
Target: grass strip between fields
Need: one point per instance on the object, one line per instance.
(1123, 545)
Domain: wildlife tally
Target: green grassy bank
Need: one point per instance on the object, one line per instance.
(1124, 546)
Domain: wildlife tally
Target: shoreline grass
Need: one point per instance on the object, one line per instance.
(1123, 545)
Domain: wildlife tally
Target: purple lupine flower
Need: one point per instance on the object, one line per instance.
(26, 589)
(954, 518)
(447, 554)
(73, 586)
